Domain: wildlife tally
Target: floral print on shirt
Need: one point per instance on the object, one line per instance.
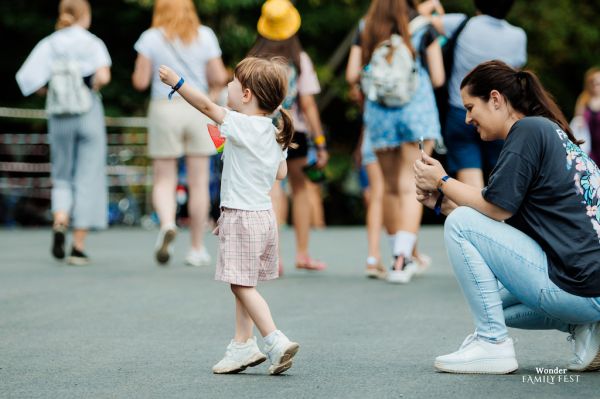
(587, 179)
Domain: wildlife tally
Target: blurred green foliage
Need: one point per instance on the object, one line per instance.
(563, 41)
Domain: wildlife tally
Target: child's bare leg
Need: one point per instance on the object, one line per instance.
(243, 323)
(256, 307)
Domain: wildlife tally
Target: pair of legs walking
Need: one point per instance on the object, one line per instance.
(301, 214)
(251, 309)
(403, 212)
(79, 185)
(164, 201)
(504, 276)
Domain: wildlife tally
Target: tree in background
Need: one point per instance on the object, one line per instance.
(563, 42)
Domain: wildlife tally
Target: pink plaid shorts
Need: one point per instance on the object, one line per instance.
(247, 247)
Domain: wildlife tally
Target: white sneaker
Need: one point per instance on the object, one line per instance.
(164, 250)
(477, 356)
(281, 353)
(198, 258)
(239, 356)
(586, 348)
(423, 263)
(404, 275)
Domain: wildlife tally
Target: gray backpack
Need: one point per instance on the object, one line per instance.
(391, 77)
(67, 92)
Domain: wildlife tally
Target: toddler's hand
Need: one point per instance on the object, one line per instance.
(168, 76)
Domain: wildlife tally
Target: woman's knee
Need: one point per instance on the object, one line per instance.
(459, 219)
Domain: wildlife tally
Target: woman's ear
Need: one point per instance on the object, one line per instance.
(496, 98)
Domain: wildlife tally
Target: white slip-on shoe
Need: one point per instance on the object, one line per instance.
(239, 356)
(164, 249)
(198, 258)
(478, 356)
(586, 348)
(281, 353)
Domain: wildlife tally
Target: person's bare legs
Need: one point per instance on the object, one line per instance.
(163, 190)
(374, 209)
(60, 218)
(471, 176)
(317, 215)
(411, 210)
(199, 200)
(280, 202)
(256, 308)
(79, 236)
(244, 325)
(301, 213)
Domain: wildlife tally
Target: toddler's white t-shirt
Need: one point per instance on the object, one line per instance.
(251, 158)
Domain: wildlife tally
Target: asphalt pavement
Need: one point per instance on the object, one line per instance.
(124, 327)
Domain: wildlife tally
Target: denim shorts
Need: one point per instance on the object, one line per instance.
(465, 148)
(366, 150)
(392, 127)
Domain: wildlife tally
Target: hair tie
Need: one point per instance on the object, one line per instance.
(521, 75)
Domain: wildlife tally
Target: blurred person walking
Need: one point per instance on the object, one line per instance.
(70, 66)
(483, 37)
(277, 28)
(395, 121)
(587, 113)
(175, 128)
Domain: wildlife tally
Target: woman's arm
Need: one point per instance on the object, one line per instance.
(216, 76)
(142, 73)
(435, 63)
(282, 170)
(428, 177)
(101, 78)
(354, 65)
(195, 97)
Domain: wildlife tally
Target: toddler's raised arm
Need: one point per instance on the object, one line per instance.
(195, 97)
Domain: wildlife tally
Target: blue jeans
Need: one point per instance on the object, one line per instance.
(504, 276)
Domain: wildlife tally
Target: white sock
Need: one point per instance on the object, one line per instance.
(270, 339)
(404, 243)
(392, 240)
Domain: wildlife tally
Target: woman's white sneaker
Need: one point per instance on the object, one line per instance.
(404, 275)
(478, 356)
(586, 348)
(239, 356)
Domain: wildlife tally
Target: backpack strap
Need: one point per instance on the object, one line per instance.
(451, 46)
(188, 69)
(417, 23)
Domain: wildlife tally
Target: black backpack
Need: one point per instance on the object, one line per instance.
(441, 93)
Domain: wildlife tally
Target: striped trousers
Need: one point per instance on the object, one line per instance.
(78, 158)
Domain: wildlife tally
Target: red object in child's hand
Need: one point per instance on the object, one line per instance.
(216, 137)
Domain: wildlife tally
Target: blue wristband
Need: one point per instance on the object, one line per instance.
(438, 205)
(176, 87)
(443, 180)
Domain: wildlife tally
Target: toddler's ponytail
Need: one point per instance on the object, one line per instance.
(286, 130)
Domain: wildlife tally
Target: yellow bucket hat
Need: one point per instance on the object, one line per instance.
(279, 20)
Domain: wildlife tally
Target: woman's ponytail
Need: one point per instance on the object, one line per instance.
(522, 89)
(286, 130)
(536, 101)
